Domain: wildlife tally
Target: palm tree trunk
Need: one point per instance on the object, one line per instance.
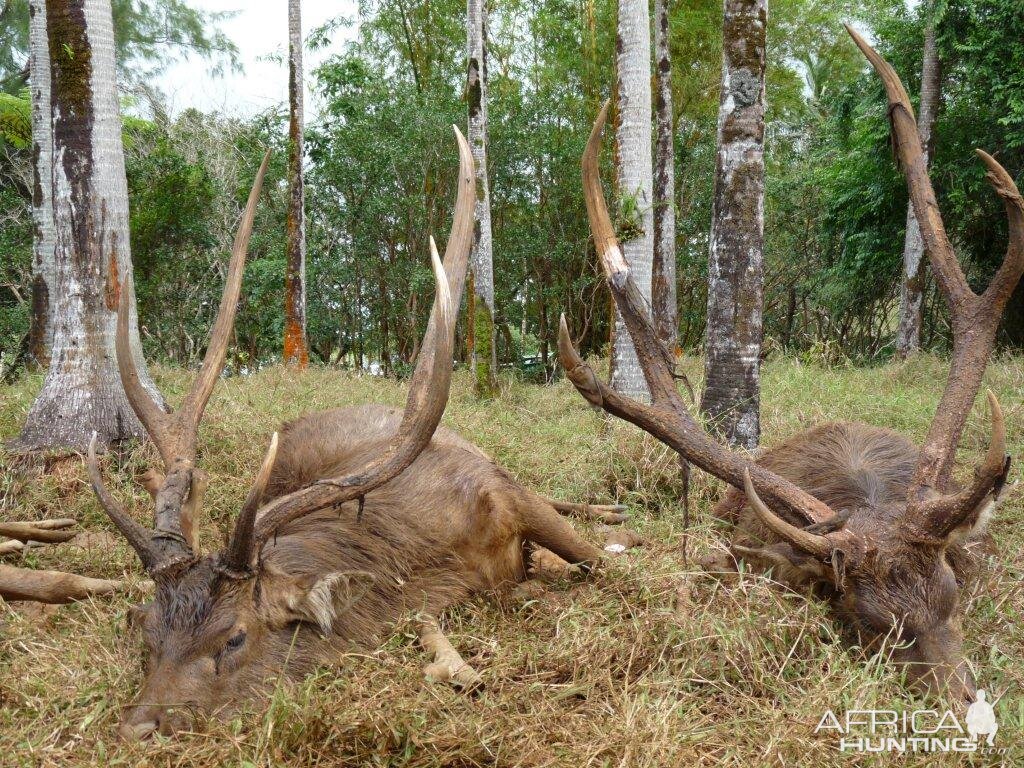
(82, 391)
(633, 141)
(483, 354)
(296, 349)
(908, 334)
(731, 399)
(663, 271)
(41, 332)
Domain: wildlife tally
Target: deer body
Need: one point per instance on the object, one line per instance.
(857, 512)
(453, 501)
(452, 525)
(356, 517)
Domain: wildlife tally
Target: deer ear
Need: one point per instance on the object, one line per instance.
(322, 599)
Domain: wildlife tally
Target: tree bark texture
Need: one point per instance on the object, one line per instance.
(908, 333)
(663, 270)
(41, 330)
(483, 353)
(296, 348)
(634, 179)
(82, 391)
(731, 399)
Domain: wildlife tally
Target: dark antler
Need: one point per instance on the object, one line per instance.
(428, 395)
(667, 418)
(975, 319)
(174, 434)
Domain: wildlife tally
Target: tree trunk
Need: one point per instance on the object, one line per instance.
(731, 398)
(908, 334)
(82, 391)
(296, 350)
(41, 333)
(483, 356)
(663, 271)
(633, 144)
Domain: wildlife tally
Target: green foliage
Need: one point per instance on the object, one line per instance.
(381, 176)
(16, 119)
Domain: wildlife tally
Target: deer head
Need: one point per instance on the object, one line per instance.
(886, 565)
(221, 623)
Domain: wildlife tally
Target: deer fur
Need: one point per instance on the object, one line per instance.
(454, 524)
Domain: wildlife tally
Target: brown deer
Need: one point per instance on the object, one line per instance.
(356, 517)
(871, 521)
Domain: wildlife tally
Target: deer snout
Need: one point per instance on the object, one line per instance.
(141, 722)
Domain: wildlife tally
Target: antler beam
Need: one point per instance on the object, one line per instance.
(975, 319)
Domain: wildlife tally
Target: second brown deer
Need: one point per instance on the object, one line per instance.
(357, 517)
(874, 523)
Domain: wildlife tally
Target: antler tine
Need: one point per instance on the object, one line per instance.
(975, 319)
(155, 420)
(943, 515)
(907, 144)
(667, 419)
(137, 535)
(1009, 273)
(192, 407)
(428, 393)
(238, 554)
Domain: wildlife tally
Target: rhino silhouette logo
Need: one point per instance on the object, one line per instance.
(981, 720)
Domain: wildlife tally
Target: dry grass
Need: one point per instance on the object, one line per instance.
(605, 672)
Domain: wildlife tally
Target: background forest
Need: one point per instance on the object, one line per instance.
(380, 174)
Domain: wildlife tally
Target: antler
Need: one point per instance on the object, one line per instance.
(174, 434)
(426, 402)
(975, 319)
(667, 418)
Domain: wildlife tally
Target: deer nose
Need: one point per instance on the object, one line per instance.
(137, 731)
(145, 721)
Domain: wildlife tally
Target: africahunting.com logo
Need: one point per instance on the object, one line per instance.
(921, 730)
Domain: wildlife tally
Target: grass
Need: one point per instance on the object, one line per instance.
(605, 672)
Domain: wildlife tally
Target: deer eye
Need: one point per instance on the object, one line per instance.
(235, 642)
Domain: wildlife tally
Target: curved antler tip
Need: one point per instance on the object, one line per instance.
(994, 407)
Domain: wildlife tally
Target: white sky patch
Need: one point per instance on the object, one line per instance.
(260, 30)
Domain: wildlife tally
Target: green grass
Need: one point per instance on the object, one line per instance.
(603, 672)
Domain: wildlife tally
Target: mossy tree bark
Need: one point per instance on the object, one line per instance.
(731, 399)
(92, 262)
(663, 269)
(41, 330)
(908, 334)
(296, 348)
(483, 352)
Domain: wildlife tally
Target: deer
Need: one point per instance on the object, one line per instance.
(853, 513)
(356, 518)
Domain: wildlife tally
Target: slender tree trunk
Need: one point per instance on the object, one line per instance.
(908, 334)
(41, 333)
(633, 134)
(663, 271)
(731, 398)
(296, 349)
(82, 391)
(483, 355)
